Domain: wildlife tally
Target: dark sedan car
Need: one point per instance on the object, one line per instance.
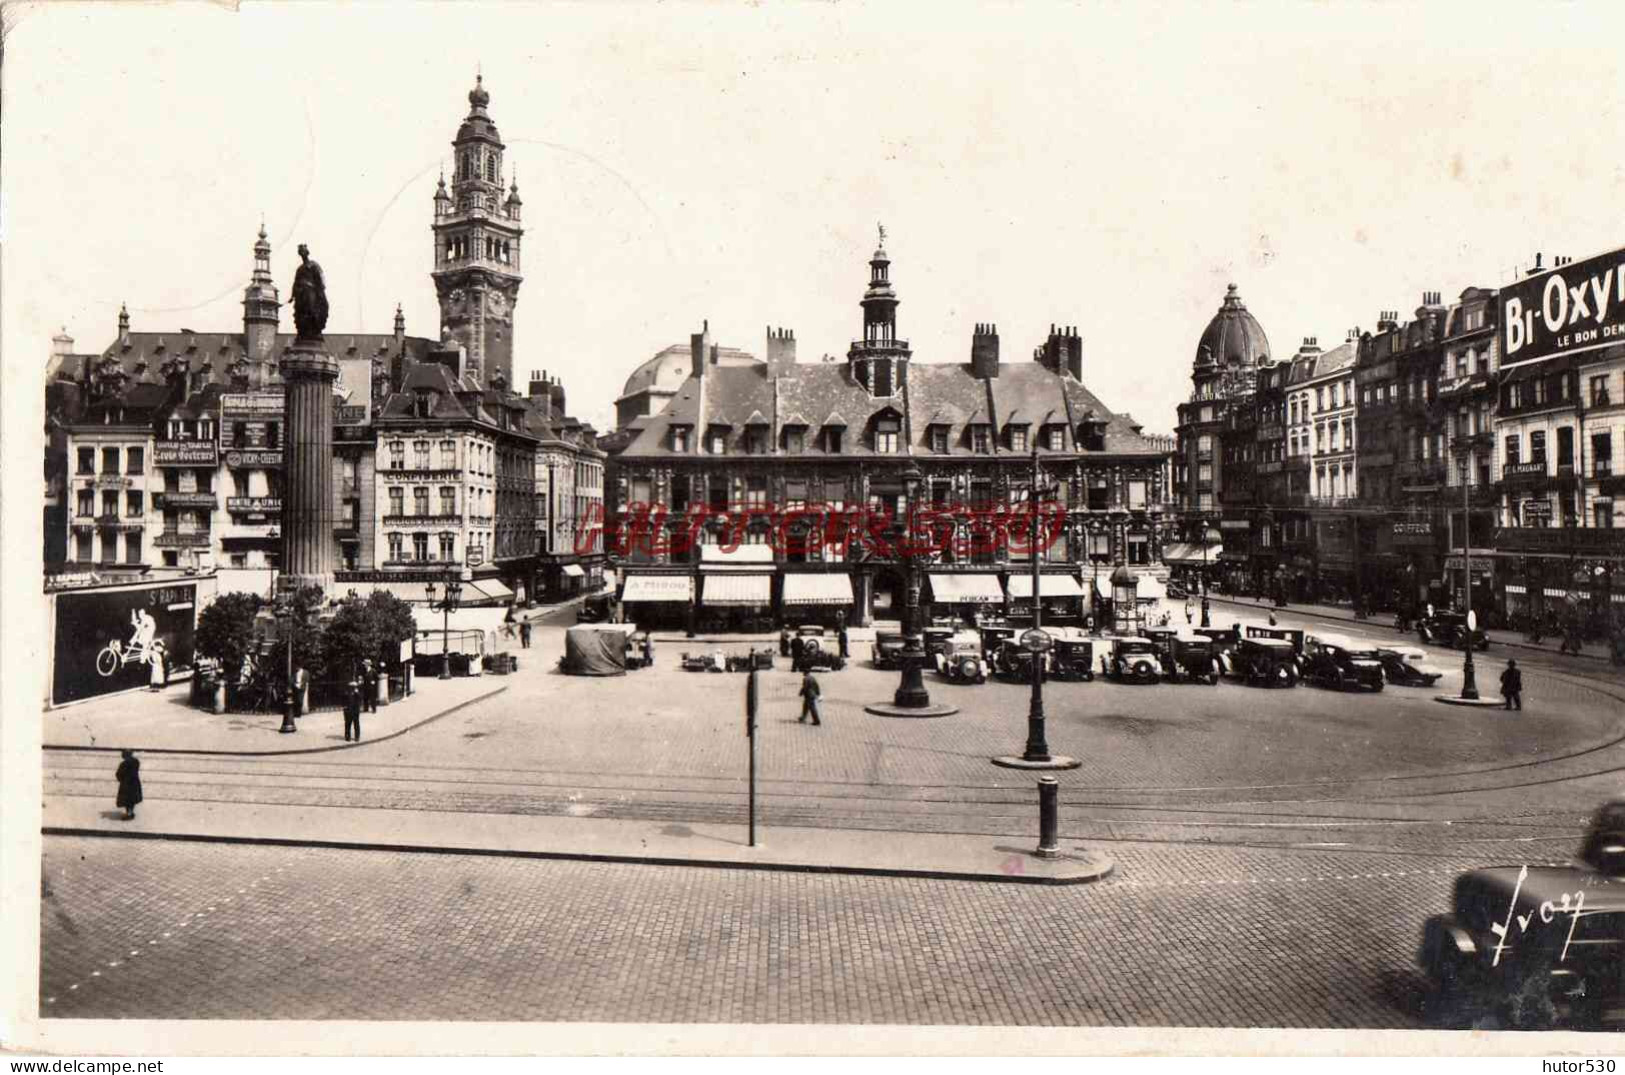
(1341, 664)
(888, 649)
(1536, 945)
(1450, 629)
(1268, 662)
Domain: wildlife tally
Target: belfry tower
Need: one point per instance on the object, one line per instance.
(476, 246)
(879, 361)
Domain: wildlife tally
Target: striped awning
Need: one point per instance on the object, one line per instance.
(1048, 586)
(817, 590)
(966, 589)
(734, 590)
(1189, 554)
(1514, 587)
(658, 588)
(574, 571)
(1555, 593)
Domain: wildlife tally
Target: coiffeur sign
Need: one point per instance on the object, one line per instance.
(1575, 307)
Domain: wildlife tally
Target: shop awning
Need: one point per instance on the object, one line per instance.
(1048, 586)
(1187, 554)
(817, 590)
(1151, 589)
(658, 588)
(966, 589)
(574, 571)
(411, 592)
(732, 590)
(494, 589)
(1556, 593)
(742, 557)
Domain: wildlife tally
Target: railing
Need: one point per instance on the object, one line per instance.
(880, 345)
(426, 562)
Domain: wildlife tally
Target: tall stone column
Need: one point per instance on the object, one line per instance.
(308, 373)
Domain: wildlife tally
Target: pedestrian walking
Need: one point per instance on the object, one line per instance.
(845, 645)
(1512, 686)
(810, 692)
(156, 680)
(129, 783)
(352, 712)
(524, 635)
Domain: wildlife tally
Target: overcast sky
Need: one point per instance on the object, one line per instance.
(1111, 167)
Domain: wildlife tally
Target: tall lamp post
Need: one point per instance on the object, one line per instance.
(1209, 538)
(911, 698)
(1036, 755)
(284, 610)
(1469, 686)
(453, 595)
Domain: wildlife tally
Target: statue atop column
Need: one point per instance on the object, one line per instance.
(309, 297)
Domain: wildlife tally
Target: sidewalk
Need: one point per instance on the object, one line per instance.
(1385, 622)
(888, 854)
(163, 722)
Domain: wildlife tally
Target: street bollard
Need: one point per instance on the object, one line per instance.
(1048, 825)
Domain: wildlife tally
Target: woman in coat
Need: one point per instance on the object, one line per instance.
(129, 783)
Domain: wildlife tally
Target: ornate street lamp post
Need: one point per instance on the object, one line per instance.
(1209, 538)
(453, 595)
(911, 698)
(1037, 643)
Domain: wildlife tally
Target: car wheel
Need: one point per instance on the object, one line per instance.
(1142, 669)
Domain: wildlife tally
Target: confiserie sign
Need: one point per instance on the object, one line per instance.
(1575, 307)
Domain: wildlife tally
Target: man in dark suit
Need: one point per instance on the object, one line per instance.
(352, 712)
(1512, 686)
(810, 693)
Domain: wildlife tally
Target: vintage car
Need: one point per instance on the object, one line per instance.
(996, 635)
(1340, 663)
(1290, 635)
(598, 608)
(1073, 655)
(1132, 660)
(789, 635)
(744, 662)
(1268, 662)
(1013, 662)
(1191, 658)
(1536, 945)
(938, 636)
(963, 661)
(1450, 629)
(704, 662)
(815, 656)
(887, 652)
(1406, 666)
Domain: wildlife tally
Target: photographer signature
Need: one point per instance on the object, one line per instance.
(1547, 911)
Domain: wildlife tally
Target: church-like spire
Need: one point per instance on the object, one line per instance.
(879, 361)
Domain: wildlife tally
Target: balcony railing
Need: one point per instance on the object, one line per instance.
(880, 345)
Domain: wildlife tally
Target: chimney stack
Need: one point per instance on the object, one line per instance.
(555, 394)
(1062, 352)
(1537, 270)
(984, 351)
(538, 384)
(699, 350)
(781, 352)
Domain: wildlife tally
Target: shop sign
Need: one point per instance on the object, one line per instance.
(1533, 469)
(1479, 564)
(1235, 524)
(109, 481)
(1422, 528)
(237, 460)
(103, 639)
(475, 555)
(184, 453)
(251, 404)
(1537, 509)
(349, 415)
(255, 505)
(1575, 307)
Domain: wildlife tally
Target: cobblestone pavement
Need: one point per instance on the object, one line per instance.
(1187, 937)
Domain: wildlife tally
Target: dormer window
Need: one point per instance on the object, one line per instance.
(795, 441)
(833, 436)
(981, 439)
(716, 442)
(679, 438)
(1018, 438)
(886, 434)
(1055, 438)
(1092, 436)
(939, 439)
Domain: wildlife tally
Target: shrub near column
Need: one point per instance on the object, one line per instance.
(225, 633)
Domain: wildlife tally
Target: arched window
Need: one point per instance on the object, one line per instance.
(491, 167)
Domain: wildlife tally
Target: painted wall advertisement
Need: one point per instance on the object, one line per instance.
(105, 639)
(1574, 307)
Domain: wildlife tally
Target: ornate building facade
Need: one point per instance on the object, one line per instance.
(777, 454)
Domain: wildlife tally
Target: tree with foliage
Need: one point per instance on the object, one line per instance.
(366, 627)
(225, 631)
(393, 623)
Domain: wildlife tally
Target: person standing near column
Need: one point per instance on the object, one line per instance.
(1512, 686)
(352, 712)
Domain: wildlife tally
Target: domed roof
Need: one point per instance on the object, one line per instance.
(1234, 337)
(667, 371)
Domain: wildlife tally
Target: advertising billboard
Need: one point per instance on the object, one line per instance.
(1578, 306)
(105, 638)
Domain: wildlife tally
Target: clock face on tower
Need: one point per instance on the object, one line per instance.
(498, 303)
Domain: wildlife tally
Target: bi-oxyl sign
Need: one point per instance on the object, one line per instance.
(1574, 307)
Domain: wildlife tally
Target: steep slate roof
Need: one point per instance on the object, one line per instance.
(221, 349)
(821, 390)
